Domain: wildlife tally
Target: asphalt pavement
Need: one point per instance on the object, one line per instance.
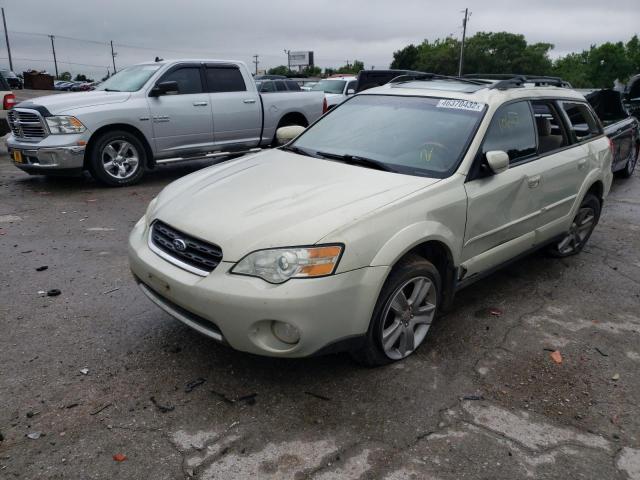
(98, 383)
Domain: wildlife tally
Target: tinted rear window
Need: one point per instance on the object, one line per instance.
(225, 79)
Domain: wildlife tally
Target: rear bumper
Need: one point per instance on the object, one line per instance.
(68, 156)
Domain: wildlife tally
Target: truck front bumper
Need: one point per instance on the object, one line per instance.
(57, 155)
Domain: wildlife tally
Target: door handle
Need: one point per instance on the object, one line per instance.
(582, 163)
(249, 100)
(534, 181)
(199, 104)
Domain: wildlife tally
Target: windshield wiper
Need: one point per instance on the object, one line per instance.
(110, 90)
(358, 160)
(298, 150)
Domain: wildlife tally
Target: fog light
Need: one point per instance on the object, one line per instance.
(285, 332)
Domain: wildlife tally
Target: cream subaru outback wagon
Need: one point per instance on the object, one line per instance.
(355, 234)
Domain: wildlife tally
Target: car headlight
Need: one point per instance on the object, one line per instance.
(63, 124)
(280, 264)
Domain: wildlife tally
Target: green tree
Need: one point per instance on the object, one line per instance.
(279, 70)
(439, 56)
(573, 68)
(81, 77)
(405, 58)
(633, 54)
(65, 76)
(606, 63)
(312, 71)
(353, 68)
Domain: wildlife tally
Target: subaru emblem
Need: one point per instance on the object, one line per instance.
(179, 244)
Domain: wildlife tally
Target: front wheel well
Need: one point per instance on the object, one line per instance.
(597, 189)
(119, 126)
(440, 256)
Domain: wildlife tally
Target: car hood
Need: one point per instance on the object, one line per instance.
(65, 102)
(276, 199)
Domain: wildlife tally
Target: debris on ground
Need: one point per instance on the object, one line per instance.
(248, 399)
(54, 292)
(317, 395)
(84, 371)
(556, 356)
(194, 384)
(223, 397)
(111, 291)
(41, 292)
(616, 376)
(495, 312)
(71, 405)
(601, 352)
(119, 457)
(162, 408)
(42, 268)
(32, 414)
(1, 437)
(104, 407)
(473, 397)
(34, 435)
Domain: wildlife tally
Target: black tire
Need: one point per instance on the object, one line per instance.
(558, 249)
(98, 155)
(372, 353)
(628, 169)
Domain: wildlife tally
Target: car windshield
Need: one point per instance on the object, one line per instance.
(413, 135)
(329, 86)
(130, 79)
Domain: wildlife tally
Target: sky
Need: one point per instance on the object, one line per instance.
(336, 30)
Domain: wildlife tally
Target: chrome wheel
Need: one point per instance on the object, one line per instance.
(120, 159)
(408, 316)
(579, 232)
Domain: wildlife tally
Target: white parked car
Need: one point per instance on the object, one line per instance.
(357, 233)
(336, 90)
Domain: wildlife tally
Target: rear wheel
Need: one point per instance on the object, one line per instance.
(117, 159)
(628, 169)
(403, 314)
(581, 229)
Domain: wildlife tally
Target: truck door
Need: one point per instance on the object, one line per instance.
(503, 209)
(182, 120)
(237, 110)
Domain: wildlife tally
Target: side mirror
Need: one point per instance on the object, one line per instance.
(498, 160)
(351, 91)
(164, 88)
(286, 134)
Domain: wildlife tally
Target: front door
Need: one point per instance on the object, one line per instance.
(503, 209)
(182, 122)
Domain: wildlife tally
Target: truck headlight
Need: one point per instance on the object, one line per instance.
(280, 264)
(63, 124)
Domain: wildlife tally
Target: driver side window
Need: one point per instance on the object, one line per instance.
(188, 79)
(512, 130)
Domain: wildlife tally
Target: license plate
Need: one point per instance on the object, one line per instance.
(17, 156)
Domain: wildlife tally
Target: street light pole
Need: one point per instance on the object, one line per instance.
(6, 37)
(288, 52)
(53, 49)
(113, 58)
(464, 34)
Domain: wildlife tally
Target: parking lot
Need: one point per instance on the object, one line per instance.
(98, 370)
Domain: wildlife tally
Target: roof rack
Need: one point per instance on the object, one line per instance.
(434, 76)
(506, 81)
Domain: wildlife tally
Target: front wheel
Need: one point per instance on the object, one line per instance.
(117, 159)
(403, 314)
(581, 229)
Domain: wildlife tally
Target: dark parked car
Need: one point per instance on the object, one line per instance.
(267, 86)
(620, 127)
(14, 81)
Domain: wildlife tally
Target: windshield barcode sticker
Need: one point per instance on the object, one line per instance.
(461, 105)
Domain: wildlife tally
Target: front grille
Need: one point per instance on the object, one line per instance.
(26, 124)
(200, 255)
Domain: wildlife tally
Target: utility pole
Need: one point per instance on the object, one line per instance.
(6, 37)
(113, 58)
(256, 62)
(53, 49)
(288, 52)
(464, 34)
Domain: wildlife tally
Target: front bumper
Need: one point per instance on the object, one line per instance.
(239, 310)
(61, 153)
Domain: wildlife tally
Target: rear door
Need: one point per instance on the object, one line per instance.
(237, 111)
(503, 209)
(182, 122)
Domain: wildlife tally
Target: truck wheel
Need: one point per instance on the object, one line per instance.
(628, 169)
(117, 159)
(403, 314)
(581, 229)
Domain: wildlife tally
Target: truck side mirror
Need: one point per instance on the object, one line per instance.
(164, 88)
(498, 160)
(351, 91)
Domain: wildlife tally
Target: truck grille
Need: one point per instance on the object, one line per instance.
(184, 250)
(26, 124)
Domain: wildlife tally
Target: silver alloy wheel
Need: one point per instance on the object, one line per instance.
(580, 229)
(408, 316)
(120, 159)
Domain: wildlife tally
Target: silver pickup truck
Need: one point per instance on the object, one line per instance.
(151, 114)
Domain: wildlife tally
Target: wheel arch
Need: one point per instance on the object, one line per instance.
(120, 126)
(293, 118)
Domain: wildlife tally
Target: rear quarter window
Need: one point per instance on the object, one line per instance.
(582, 123)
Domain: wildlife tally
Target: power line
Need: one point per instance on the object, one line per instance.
(51, 61)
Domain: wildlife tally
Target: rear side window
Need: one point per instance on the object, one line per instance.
(280, 86)
(583, 125)
(551, 132)
(225, 79)
(512, 130)
(188, 79)
(267, 86)
(292, 85)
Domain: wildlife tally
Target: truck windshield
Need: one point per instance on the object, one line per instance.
(130, 79)
(329, 86)
(412, 135)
